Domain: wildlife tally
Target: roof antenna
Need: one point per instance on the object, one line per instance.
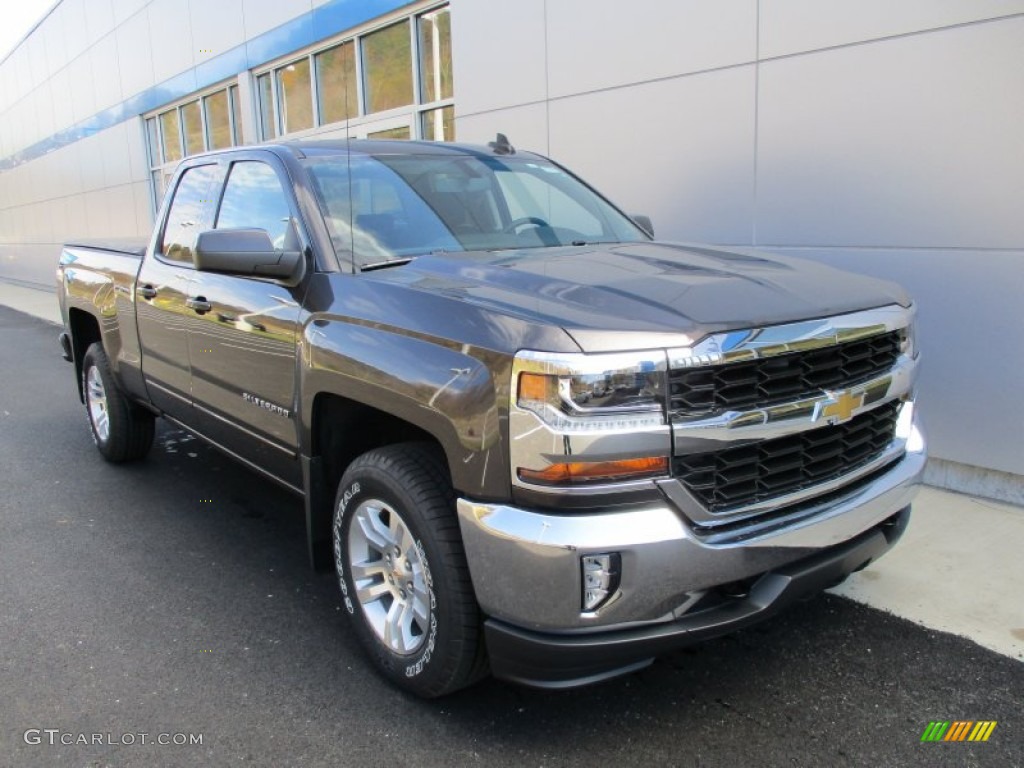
(501, 145)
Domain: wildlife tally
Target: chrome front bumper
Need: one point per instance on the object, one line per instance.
(525, 564)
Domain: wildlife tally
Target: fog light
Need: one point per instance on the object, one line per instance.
(600, 578)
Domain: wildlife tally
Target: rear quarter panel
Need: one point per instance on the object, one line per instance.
(101, 283)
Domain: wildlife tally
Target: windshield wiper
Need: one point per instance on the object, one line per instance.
(385, 264)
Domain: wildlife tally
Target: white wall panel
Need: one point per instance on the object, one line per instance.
(60, 96)
(136, 145)
(908, 142)
(525, 126)
(40, 222)
(99, 20)
(15, 194)
(125, 9)
(106, 73)
(23, 73)
(97, 214)
(113, 150)
(498, 54)
(30, 185)
(263, 15)
(37, 58)
(43, 173)
(52, 30)
(120, 204)
(42, 103)
(216, 28)
(76, 222)
(595, 44)
(789, 26)
(90, 162)
(142, 198)
(83, 93)
(134, 55)
(170, 35)
(73, 23)
(681, 151)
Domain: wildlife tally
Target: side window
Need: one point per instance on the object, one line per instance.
(253, 199)
(191, 212)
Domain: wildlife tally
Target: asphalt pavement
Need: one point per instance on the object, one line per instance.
(172, 598)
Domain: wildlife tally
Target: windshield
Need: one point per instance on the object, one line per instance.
(396, 206)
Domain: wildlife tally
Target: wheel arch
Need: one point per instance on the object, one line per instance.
(85, 331)
(340, 430)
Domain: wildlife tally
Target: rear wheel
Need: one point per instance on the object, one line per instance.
(122, 431)
(403, 573)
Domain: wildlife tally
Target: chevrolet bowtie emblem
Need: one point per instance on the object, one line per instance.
(840, 406)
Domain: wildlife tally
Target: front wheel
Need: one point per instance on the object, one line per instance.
(121, 430)
(403, 573)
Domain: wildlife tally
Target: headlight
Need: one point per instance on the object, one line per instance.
(588, 420)
(592, 392)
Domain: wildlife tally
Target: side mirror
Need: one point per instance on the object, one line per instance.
(247, 252)
(644, 222)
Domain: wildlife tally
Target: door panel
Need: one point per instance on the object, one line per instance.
(163, 331)
(163, 289)
(243, 353)
(244, 335)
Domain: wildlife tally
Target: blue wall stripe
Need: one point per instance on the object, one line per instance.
(326, 21)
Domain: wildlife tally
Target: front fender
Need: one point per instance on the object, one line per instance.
(455, 392)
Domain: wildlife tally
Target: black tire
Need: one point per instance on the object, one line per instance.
(406, 488)
(126, 432)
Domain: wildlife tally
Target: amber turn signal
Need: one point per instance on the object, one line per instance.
(577, 472)
(535, 387)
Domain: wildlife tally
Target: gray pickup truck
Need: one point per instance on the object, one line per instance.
(530, 439)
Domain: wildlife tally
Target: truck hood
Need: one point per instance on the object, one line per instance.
(609, 296)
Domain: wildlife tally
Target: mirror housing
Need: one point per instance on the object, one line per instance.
(644, 222)
(245, 252)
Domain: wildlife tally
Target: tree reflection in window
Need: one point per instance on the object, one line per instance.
(387, 68)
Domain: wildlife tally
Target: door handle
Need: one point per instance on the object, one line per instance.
(199, 304)
(147, 292)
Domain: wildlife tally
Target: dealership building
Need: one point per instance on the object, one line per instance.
(885, 138)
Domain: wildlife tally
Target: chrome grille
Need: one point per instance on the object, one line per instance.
(712, 389)
(733, 478)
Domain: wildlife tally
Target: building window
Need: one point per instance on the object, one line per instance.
(170, 137)
(436, 55)
(337, 91)
(210, 120)
(265, 89)
(394, 81)
(295, 94)
(218, 120)
(191, 119)
(438, 124)
(387, 68)
(402, 132)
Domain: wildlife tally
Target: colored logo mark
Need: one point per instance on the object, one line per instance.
(958, 730)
